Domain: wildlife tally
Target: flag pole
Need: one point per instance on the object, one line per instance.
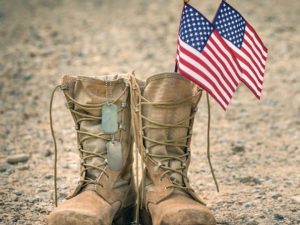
(208, 143)
(184, 2)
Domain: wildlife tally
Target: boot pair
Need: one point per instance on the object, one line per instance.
(112, 112)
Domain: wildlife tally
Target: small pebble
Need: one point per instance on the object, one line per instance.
(18, 193)
(31, 199)
(252, 222)
(276, 196)
(47, 153)
(238, 147)
(23, 76)
(250, 180)
(14, 197)
(49, 176)
(247, 205)
(3, 168)
(278, 217)
(22, 168)
(296, 198)
(13, 159)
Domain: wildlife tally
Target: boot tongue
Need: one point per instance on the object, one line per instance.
(174, 164)
(86, 93)
(97, 146)
(175, 177)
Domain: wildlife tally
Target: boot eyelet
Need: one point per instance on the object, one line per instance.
(121, 126)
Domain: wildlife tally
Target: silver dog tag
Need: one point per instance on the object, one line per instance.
(114, 155)
(109, 124)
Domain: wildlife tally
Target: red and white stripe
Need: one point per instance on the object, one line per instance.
(214, 69)
(252, 57)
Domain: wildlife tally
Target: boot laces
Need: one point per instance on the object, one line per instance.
(164, 160)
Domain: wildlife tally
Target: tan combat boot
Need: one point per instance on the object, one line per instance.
(168, 105)
(105, 194)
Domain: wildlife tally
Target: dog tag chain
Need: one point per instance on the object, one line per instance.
(109, 124)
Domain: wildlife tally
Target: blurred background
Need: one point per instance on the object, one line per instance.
(255, 144)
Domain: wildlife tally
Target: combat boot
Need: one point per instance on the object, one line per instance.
(165, 110)
(105, 194)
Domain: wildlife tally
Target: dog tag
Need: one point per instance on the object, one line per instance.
(109, 124)
(114, 155)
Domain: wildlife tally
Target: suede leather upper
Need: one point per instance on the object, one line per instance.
(170, 102)
(102, 193)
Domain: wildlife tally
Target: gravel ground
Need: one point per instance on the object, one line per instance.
(255, 144)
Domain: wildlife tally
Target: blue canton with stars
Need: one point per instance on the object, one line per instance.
(194, 28)
(230, 24)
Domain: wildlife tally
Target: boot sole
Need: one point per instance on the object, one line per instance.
(145, 218)
(125, 217)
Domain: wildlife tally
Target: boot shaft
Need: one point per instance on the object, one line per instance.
(164, 116)
(168, 119)
(100, 109)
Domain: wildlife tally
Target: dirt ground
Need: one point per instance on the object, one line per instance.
(255, 144)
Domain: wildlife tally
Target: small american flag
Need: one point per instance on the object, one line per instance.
(246, 45)
(205, 58)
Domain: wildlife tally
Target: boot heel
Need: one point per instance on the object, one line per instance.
(145, 218)
(125, 217)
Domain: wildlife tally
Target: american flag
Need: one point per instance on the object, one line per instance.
(246, 45)
(205, 58)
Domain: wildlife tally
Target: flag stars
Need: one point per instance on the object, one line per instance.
(230, 24)
(196, 29)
